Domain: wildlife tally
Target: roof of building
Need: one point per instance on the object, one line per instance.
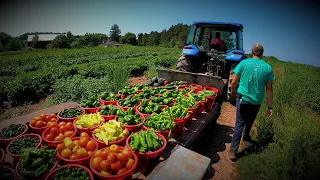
(43, 37)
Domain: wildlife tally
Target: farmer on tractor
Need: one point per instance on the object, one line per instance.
(218, 44)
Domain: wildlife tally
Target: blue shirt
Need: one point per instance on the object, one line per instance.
(254, 74)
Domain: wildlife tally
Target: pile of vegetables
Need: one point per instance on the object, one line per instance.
(12, 131)
(170, 94)
(178, 83)
(92, 102)
(146, 94)
(37, 162)
(159, 122)
(71, 173)
(71, 113)
(137, 87)
(176, 111)
(57, 132)
(207, 93)
(43, 120)
(18, 146)
(110, 131)
(157, 91)
(129, 101)
(113, 160)
(110, 96)
(127, 90)
(129, 117)
(161, 100)
(76, 149)
(146, 141)
(109, 110)
(187, 101)
(155, 81)
(149, 107)
(89, 120)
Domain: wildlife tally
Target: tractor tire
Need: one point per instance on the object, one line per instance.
(231, 75)
(184, 64)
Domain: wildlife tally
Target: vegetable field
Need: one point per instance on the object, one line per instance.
(27, 76)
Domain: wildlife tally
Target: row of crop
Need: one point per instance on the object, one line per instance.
(30, 61)
(32, 85)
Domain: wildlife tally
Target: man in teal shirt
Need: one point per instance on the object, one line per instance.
(255, 76)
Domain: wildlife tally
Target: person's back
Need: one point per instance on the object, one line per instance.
(217, 43)
(254, 74)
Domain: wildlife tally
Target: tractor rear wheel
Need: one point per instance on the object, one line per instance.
(184, 63)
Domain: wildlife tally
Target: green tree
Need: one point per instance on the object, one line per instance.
(70, 37)
(115, 32)
(61, 41)
(140, 37)
(35, 40)
(129, 38)
(94, 39)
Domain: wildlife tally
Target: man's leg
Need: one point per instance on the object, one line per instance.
(238, 129)
(249, 119)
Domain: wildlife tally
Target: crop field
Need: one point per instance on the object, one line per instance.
(73, 74)
(288, 143)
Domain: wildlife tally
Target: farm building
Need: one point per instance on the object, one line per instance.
(43, 40)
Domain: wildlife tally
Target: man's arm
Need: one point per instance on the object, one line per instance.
(234, 84)
(269, 97)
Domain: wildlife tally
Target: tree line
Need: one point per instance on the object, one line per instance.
(173, 37)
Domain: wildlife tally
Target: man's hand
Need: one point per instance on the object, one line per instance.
(269, 113)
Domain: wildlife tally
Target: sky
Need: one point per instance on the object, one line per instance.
(288, 29)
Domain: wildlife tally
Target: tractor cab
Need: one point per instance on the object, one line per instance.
(206, 53)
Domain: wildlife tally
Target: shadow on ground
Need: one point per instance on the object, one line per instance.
(212, 143)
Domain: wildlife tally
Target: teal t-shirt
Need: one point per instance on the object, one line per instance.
(254, 75)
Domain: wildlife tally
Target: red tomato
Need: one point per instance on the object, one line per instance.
(69, 134)
(104, 154)
(96, 163)
(73, 157)
(59, 138)
(54, 131)
(76, 142)
(62, 123)
(63, 129)
(39, 124)
(33, 123)
(53, 115)
(69, 126)
(42, 116)
(75, 149)
(112, 157)
(49, 137)
(128, 152)
(116, 165)
(104, 165)
(114, 148)
(84, 141)
(84, 134)
(97, 153)
(54, 124)
(122, 157)
(66, 153)
(82, 153)
(53, 119)
(37, 118)
(47, 118)
(129, 163)
(91, 145)
(122, 171)
(60, 147)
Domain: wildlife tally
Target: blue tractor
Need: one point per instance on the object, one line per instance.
(214, 49)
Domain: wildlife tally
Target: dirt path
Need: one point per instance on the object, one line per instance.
(216, 145)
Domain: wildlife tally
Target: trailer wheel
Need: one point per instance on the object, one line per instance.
(184, 63)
